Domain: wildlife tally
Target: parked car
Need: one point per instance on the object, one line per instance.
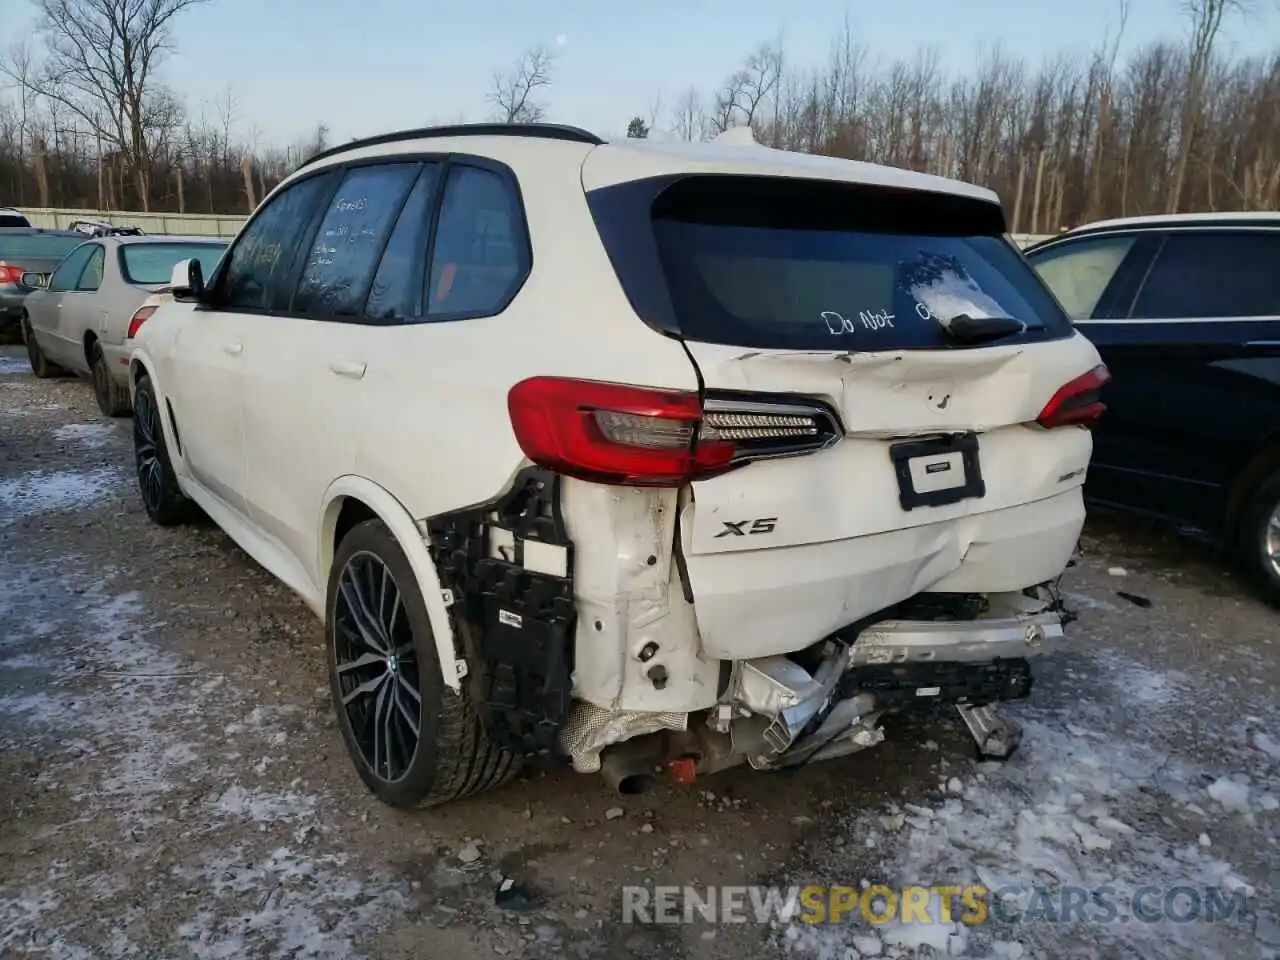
(26, 250)
(9, 217)
(1185, 311)
(635, 453)
(103, 228)
(79, 319)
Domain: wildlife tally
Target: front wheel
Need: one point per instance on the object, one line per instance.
(1260, 538)
(113, 399)
(163, 499)
(414, 741)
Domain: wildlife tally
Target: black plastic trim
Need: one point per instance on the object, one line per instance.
(966, 444)
(539, 131)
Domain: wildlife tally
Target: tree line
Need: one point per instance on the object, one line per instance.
(1175, 125)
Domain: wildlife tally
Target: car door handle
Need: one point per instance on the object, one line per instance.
(354, 369)
(235, 348)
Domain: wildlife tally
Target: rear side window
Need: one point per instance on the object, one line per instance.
(13, 220)
(816, 265)
(37, 246)
(152, 263)
(480, 254)
(340, 265)
(396, 294)
(260, 262)
(1213, 274)
(1078, 272)
(91, 278)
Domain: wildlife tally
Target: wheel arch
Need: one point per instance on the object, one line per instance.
(351, 497)
(1256, 470)
(86, 344)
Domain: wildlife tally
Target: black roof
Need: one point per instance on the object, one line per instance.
(544, 131)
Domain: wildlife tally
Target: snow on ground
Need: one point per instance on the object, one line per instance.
(39, 491)
(94, 436)
(268, 882)
(1074, 809)
(13, 364)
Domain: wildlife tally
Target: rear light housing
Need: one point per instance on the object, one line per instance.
(137, 320)
(1077, 403)
(639, 436)
(10, 273)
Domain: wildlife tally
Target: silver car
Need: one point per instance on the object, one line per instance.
(79, 319)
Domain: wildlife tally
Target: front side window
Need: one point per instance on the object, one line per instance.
(1078, 272)
(1213, 274)
(260, 262)
(91, 277)
(147, 264)
(67, 274)
(342, 260)
(480, 255)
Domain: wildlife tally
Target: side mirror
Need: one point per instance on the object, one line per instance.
(187, 280)
(30, 279)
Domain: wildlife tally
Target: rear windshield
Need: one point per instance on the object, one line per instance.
(13, 220)
(38, 246)
(150, 263)
(789, 264)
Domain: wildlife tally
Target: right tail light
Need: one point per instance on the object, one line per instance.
(137, 320)
(1077, 402)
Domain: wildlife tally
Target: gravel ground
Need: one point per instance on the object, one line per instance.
(172, 783)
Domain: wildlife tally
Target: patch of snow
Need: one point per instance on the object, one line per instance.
(92, 435)
(263, 807)
(1268, 746)
(950, 294)
(1232, 795)
(34, 493)
(10, 364)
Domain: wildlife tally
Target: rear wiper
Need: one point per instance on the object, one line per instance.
(964, 328)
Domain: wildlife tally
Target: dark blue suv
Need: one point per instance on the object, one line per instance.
(1185, 311)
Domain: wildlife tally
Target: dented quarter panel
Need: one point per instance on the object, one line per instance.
(629, 597)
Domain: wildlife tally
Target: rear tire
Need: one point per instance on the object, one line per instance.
(41, 366)
(113, 399)
(415, 742)
(1259, 541)
(163, 499)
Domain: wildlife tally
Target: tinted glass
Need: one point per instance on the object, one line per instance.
(13, 220)
(340, 265)
(396, 294)
(263, 255)
(150, 263)
(1213, 275)
(91, 277)
(43, 246)
(480, 249)
(68, 271)
(1078, 272)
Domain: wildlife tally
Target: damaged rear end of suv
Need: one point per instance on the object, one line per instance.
(862, 507)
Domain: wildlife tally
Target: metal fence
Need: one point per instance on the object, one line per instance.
(208, 224)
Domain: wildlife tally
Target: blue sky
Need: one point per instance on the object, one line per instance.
(367, 66)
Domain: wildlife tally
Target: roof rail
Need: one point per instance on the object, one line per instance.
(546, 131)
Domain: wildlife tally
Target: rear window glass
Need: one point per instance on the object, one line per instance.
(13, 220)
(150, 263)
(807, 265)
(38, 245)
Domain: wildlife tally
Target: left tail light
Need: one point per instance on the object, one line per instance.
(138, 319)
(639, 436)
(1077, 402)
(10, 273)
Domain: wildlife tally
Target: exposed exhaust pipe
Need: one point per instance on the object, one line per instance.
(628, 767)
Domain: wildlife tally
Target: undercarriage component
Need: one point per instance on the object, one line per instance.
(591, 729)
(978, 640)
(898, 685)
(510, 566)
(996, 735)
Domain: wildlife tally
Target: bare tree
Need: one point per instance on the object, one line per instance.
(515, 92)
(689, 120)
(747, 88)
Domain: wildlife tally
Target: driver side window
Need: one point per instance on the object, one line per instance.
(67, 274)
(258, 266)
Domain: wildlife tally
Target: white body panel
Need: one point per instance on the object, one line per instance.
(282, 417)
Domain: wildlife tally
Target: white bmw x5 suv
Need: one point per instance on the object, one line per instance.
(642, 455)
